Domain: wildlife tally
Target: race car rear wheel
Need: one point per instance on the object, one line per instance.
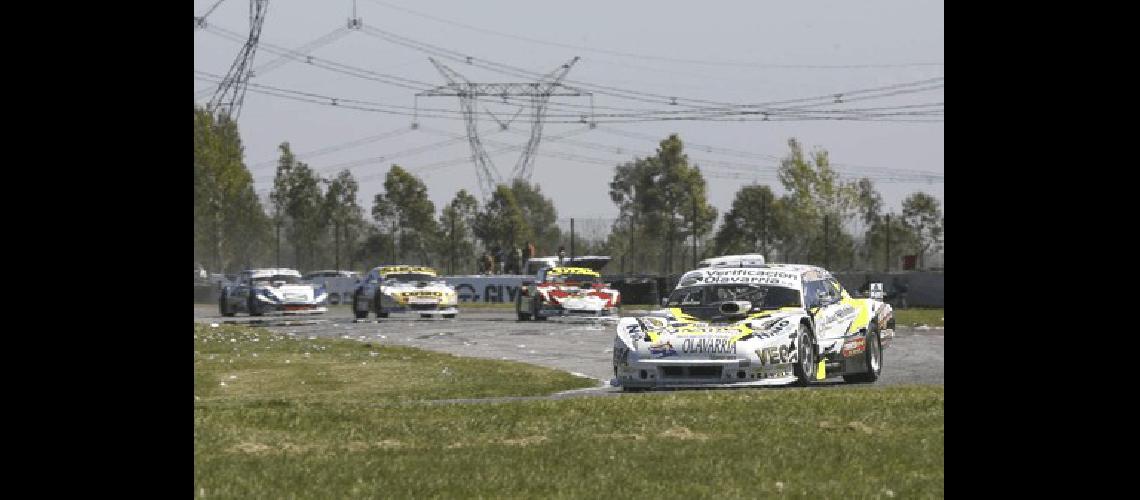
(874, 355)
(254, 309)
(359, 314)
(379, 306)
(805, 360)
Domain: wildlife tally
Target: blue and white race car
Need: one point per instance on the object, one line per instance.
(272, 291)
(742, 323)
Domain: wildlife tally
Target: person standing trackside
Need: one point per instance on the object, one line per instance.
(513, 261)
(488, 263)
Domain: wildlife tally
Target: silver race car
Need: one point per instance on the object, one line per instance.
(741, 322)
(272, 291)
(404, 289)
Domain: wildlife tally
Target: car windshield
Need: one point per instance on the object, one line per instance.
(761, 296)
(563, 279)
(409, 277)
(265, 280)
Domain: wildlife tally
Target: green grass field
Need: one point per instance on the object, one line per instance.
(343, 422)
(920, 316)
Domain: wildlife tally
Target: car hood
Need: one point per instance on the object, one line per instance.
(688, 338)
(292, 293)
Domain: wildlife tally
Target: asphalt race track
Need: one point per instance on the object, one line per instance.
(578, 346)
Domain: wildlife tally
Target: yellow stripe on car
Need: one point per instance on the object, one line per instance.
(863, 319)
(573, 270)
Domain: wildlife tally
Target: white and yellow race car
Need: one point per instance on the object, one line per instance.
(404, 289)
(732, 324)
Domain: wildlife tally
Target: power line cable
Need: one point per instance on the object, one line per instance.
(735, 64)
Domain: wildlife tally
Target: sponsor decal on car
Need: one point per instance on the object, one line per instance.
(775, 355)
(662, 349)
(720, 345)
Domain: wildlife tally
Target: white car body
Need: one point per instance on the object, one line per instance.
(340, 285)
(388, 289)
(272, 291)
(796, 324)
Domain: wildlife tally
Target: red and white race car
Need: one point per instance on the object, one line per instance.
(566, 291)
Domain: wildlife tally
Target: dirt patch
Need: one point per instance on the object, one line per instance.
(525, 441)
(851, 426)
(253, 448)
(635, 437)
(679, 432)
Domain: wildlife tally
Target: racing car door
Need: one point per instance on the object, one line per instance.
(834, 315)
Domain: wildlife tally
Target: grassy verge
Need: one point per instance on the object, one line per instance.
(920, 316)
(266, 435)
(239, 364)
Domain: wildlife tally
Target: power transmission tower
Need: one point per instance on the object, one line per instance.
(354, 22)
(469, 93)
(227, 100)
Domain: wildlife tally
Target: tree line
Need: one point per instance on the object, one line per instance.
(312, 222)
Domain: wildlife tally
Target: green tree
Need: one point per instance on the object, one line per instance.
(405, 210)
(539, 213)
(502, 222)
(343, 211)
(279, 196)
(753, 224)
(304, 209)
(455, 223)
(662, 198)
(867, 201)
(923, 214)
(229, 223)
(375, 247)
(818, 207)
(887, 238)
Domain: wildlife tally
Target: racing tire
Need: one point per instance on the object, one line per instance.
(449, 315)
(534, 312)
(805, 366)
(222, 301)
(254, 310)
(518, 310)
(379, 306)
(359, 314)
(874, 354)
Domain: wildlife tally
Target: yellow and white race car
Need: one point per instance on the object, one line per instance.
(732, 323)
(404, 289)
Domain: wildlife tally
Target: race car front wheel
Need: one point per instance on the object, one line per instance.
(358, 313)
(805, 361)
(874, 355)
(535, 306)
(223, 308)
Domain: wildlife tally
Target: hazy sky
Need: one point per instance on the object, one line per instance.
(742, 44)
